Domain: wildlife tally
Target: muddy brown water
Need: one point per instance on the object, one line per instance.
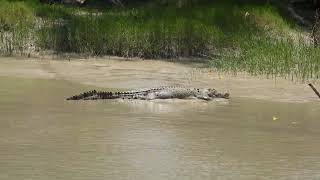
(271, 134)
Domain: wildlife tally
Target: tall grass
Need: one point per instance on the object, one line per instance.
(16, 22)
(274, 59)
(152, 33)
(273, 47)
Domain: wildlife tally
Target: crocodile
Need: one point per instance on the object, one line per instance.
(154, 93)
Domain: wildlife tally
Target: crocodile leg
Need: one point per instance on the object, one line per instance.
(207, 98)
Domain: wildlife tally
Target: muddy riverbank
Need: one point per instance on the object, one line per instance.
(131, 74)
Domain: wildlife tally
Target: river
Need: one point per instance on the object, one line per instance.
(267, 130)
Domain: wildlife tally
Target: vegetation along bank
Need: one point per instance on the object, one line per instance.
(233, 36)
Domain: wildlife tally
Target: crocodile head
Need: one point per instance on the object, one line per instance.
(215, 94)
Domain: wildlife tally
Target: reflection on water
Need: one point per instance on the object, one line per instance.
(44, 137)
(170, 105)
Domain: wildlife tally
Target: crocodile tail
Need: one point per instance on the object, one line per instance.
(82, 95)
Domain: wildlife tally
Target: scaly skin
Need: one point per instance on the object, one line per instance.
(154, 93)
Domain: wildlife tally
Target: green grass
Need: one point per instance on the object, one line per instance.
(251, 37)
